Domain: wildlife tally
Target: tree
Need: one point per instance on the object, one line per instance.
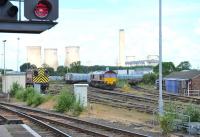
(50, 71)
(149, 78)
(61, 70)
(25, 67)
(75, 67)
(184, 65)
(167, 68)
(45, 65)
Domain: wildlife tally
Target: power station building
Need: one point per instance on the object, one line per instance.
(51, 57)
(121, 47)
(34, 55)
(71, 55)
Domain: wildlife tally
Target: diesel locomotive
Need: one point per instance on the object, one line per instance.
(103, 79)
(38, 76)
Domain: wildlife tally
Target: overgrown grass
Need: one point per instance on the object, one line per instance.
(124, 85)
(166, 122)
(66, 102)
(172, 112)
(14, 88)
(77, 108)
(30, 96)
(194, 112)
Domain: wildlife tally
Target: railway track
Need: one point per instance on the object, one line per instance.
(121, 100)
(11, 116)
(75, 126)
(167, 96)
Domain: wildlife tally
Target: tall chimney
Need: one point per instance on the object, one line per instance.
(121, 47)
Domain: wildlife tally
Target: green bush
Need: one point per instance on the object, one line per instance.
(20, 94)
(124, 85)
(65, 101)
(194, 113)
(166, 122)
(77, 108)
(37, 99)
(149, 78)
(14, 88)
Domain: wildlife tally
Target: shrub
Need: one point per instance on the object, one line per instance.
(14, 88)
(194, 113)
(20, 94)
(149, 78)
(77, 108)
(123, 84)
(65, 101)
(37, 99)
(166, 122)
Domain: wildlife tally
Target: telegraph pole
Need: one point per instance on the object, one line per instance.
(160, 59)
(18, 53)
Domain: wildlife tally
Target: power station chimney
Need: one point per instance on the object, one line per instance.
(121, 47)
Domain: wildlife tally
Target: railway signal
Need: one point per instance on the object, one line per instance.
(41, 9)
(41, 15)
(8, 12)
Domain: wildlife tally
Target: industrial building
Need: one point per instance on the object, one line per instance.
(34, 55)
(51, 57)
(183, 83)
(11, 78)
(152, 60)
(71, 55)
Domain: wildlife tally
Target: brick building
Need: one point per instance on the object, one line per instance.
(184, 82)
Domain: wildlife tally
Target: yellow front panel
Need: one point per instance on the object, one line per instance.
(41, 77)
(110, 81)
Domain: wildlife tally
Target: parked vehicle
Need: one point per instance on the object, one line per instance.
(76, 77)
(103, 79)
(37, 76)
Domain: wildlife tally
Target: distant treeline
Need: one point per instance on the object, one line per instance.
(76, 67)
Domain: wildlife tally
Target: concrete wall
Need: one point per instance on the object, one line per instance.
(8, 80)
(34, 55)
(71, 55)
(51, 57)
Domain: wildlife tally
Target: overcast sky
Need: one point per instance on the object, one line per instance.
(94, 26)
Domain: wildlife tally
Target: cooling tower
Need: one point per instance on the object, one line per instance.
(34, 55)
(71, 55)
(51, 58)
(121, 47)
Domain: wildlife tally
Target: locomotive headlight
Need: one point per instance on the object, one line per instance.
(35, 73)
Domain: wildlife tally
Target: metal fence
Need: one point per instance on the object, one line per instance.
(192, 93)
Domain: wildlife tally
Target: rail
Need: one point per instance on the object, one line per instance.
(107, 128)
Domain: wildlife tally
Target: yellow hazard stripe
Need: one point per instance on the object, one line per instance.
(41, 78)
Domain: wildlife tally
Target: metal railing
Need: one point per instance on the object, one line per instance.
(192, 93)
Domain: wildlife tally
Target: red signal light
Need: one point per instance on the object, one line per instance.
(42, 8)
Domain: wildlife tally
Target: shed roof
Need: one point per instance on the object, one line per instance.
(183, 74)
